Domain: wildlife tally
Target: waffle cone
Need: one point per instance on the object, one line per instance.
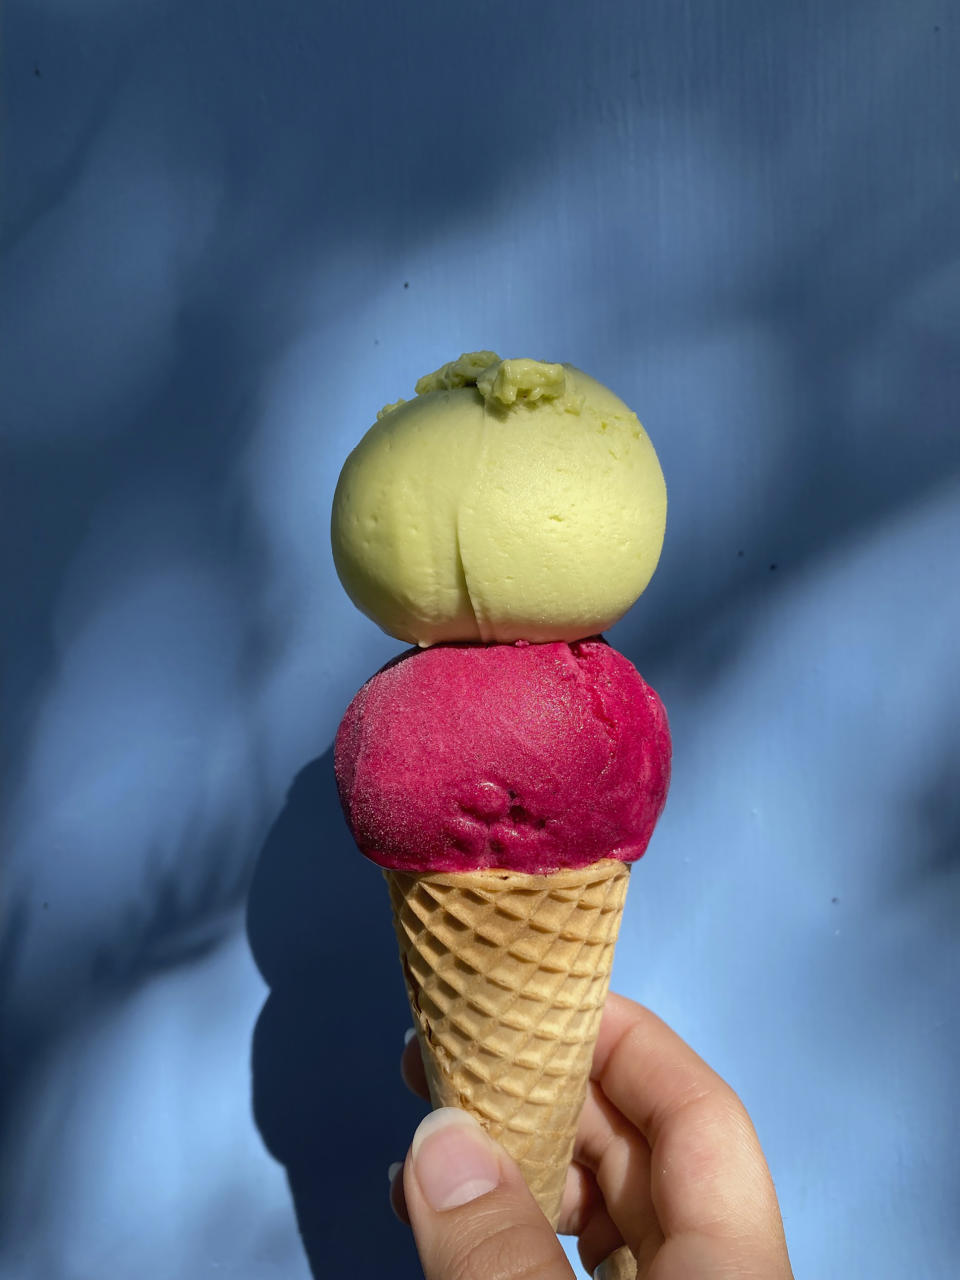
(507, 974)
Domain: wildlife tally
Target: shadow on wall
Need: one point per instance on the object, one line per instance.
(192, 197)
(201, 188)
(327, 1094)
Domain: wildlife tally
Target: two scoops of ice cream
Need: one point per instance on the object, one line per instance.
(506, 772)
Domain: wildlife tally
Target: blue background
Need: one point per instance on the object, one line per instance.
(232, 231)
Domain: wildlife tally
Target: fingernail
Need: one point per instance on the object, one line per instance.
(408, 1035)
(453, 1159)
(393, 1170)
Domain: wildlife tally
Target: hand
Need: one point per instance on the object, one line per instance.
(666, 1162)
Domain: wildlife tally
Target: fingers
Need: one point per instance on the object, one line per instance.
(411, 1067)
(471, 1212)
(581, 1200)
(645, 1069)
(583, 1214)
(618, 1156)
(667, 1158)
(581, 1210)
(398, 1201)
(707, 1174)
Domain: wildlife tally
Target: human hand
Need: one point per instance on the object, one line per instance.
(666, 1163)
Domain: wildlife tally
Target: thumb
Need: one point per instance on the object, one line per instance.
(471, 1212)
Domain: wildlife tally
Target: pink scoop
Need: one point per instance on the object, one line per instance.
(521, 757)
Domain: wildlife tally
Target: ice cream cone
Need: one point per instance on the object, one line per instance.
(507, 974)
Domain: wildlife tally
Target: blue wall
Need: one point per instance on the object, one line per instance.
(232, 231)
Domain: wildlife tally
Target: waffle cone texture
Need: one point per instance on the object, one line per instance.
(507, 974)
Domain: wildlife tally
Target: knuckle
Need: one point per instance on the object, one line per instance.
(504, 1251)
(718, 1105)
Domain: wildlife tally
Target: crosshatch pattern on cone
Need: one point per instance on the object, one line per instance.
(507, 974)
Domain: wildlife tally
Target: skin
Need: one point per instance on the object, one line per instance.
(666, 1163)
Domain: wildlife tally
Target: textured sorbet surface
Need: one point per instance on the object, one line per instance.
(511, 500)
(521, 757)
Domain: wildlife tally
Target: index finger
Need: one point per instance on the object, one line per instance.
(646, 1070)
(707, 1171)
